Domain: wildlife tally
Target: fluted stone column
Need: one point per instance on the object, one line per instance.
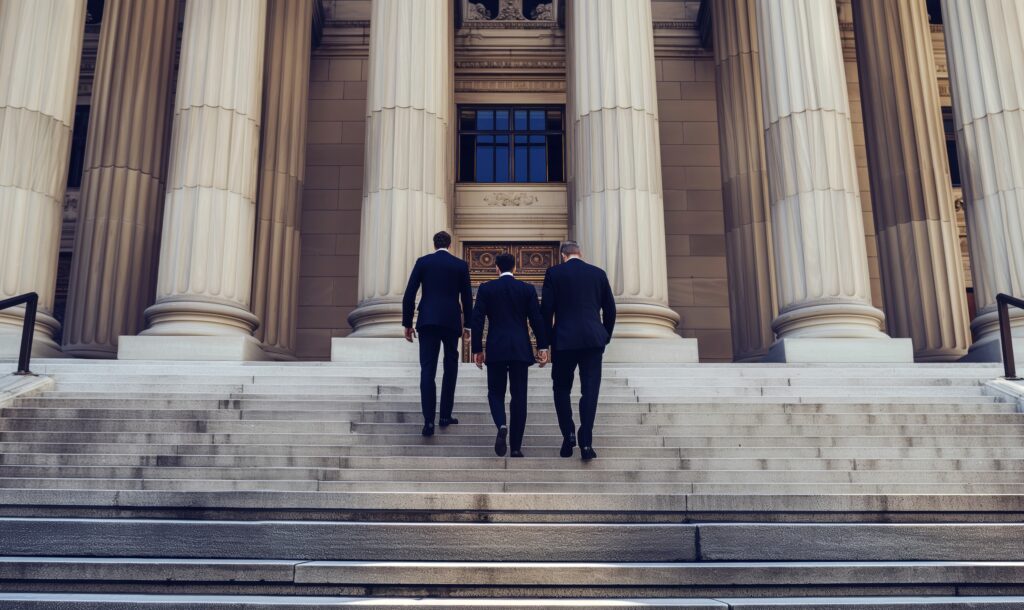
(204, 282)
(748, 238)
(911, 192)
(282, 170)
(985, 47)
(40, 49)
(825, 310)
(404, 183)
(619, 212)
(114, 262)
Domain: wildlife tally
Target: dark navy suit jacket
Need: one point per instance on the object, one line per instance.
(508, 304)
(445, 279)
(578, 306)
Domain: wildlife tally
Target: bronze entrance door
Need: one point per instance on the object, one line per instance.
(532, 261)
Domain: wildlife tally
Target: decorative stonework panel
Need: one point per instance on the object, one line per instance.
(510, 13)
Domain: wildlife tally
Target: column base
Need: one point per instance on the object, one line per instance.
(189, 348)
(377, 319)
(276, 353)
(645, 321)
(10, 348)
(43, 345)
(989, 350)
(986, 347)
(841, 350)
(661, 351)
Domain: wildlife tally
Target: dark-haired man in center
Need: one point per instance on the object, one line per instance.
(507, 305)
(444, 279)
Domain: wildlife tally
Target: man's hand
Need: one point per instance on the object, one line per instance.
(465, 334)
(410, 333)
(542, 357)
(479, 359)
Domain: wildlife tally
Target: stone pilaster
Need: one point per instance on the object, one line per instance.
(619, 212)
(40, 50)
(912, 197)
(114, 261)
(282, 170)
(748, 238)
(204, 282)
(405, 184)
(820, 255)
(985, 47)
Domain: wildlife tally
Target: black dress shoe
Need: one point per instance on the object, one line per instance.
(500, 446)
(428, 429)
(587, 453)
(447, 421)
(516, 453)
(567, 445)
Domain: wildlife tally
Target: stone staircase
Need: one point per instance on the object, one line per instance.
(307, 485)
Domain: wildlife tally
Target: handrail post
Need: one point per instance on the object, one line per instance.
(27, 333)
(1005, 336)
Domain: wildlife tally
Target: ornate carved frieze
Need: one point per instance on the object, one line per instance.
(509, 13)
(505, 200)
(509, 86)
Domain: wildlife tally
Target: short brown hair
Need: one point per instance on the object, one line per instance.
(442, 239)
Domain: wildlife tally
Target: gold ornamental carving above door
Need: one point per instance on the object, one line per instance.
(532, 260)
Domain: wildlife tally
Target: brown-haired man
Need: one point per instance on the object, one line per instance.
(444, 279)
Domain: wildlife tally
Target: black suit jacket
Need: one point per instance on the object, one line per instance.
(508, 304)
(578, 306)
(445, 279)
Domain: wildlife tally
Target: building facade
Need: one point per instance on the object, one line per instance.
(244, 179)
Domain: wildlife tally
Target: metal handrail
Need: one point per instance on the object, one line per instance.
(30, 301)
(1003, 302)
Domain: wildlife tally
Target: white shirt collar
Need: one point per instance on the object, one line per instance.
(442, 250)
(508, 273)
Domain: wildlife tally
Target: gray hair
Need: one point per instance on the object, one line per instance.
(570, 248)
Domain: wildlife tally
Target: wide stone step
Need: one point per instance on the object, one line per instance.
(692, 438)
(483, 461)
(866, 455)
(288, 407)
(709, 427)
(464, 575)
(475, 379)
(576, 474)
(513, 488)
(113, 601)
(740, 404)
(480, 417)
(526, 507)
(409, 541)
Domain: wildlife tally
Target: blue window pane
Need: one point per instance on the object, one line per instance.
(501, 164)
(538, 164)
(485, 120)
(485, 159)
(537, 120)
(520, 120)
(521, 160)
(501, 120)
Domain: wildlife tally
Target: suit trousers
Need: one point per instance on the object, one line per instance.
(563, 373)
(516, 373)
(432, 339)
